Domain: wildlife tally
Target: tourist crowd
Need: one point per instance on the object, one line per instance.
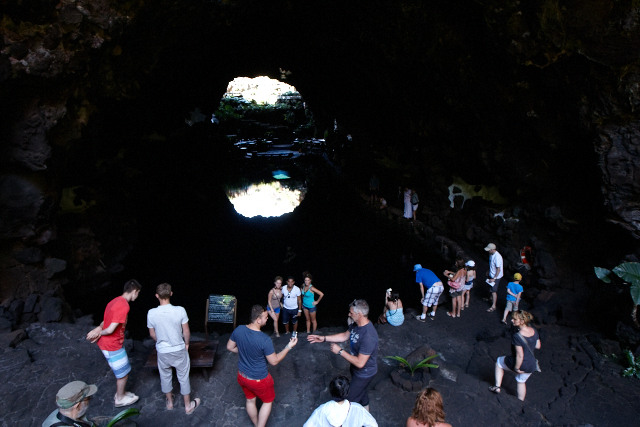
(349, 405)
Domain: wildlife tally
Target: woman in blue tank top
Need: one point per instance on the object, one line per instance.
(309, 302)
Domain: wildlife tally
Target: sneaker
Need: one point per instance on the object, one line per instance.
(432, 314)
(129, 399)
(420, 319)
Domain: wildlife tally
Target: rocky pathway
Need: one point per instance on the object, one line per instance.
(578, 386)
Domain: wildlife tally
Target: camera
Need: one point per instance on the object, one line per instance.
(294, 334)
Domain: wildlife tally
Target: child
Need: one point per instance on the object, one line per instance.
(514, 291)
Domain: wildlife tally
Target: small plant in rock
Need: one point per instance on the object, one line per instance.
(629, 272)
(413, 368)
(634, 365)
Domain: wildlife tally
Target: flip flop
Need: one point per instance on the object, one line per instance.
(495, 389)
(195, 403)
(491, 309)
(129, 399)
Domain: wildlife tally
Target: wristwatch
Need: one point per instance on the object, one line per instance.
(340, 352)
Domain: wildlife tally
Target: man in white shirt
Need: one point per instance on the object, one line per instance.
(169, 327)
(291, 304)
(495, 273)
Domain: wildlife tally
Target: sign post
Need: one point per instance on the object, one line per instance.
(221, 309)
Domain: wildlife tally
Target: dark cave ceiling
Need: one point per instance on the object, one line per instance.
(539, 99)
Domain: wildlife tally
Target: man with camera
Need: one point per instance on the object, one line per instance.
(255, 350)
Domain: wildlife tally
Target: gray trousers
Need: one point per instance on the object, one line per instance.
(180, 361)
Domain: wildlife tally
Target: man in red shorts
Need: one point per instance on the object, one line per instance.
(256, 349)
(110, 338)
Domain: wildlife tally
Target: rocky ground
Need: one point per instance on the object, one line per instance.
(578, 386)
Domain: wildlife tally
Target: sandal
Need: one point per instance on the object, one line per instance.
(495, 389)
(195, 403)
(450, 315)
(491, 309)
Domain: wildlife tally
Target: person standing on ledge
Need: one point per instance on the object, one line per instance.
(255, 350)
(363, 342)
(291, 304)
(169, 327)
(111, 340)
(494, 274)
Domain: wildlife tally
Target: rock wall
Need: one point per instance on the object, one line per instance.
(506, 94)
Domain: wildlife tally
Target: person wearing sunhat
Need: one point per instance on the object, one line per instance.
(73, 402)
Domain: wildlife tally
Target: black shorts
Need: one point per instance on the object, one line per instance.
(358, 390)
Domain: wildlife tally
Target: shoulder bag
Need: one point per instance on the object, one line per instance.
(526, 344)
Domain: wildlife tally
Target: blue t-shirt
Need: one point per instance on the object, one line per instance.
(426, 277)
(364, 340)
(253, 347)
(516, 288)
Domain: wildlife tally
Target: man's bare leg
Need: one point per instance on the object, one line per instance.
(265, 411)
(121, 383)
(252, 410)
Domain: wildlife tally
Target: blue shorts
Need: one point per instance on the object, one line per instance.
(311, 309)
(275, 310)
(118, 362)
(289, 315)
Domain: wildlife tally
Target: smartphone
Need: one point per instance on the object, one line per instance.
(294, 334)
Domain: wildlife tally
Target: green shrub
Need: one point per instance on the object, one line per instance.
(634, 365)
(413, 368)
(629, 272)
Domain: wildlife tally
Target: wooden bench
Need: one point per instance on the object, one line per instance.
(201, 353)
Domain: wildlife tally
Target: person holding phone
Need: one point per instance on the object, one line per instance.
(255, 349)
(393, 311)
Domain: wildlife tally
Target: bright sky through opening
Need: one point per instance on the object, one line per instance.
(265, 199)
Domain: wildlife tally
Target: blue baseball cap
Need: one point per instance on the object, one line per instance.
(417, 267)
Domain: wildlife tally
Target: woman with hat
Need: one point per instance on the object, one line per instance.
(470, 266)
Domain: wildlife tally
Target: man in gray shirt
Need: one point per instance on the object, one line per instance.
(169, 327)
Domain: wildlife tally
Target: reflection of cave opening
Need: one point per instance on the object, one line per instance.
(266, 199)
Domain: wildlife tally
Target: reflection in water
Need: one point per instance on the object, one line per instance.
(265, 199)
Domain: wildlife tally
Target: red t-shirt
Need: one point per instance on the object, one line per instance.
(116, 312)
